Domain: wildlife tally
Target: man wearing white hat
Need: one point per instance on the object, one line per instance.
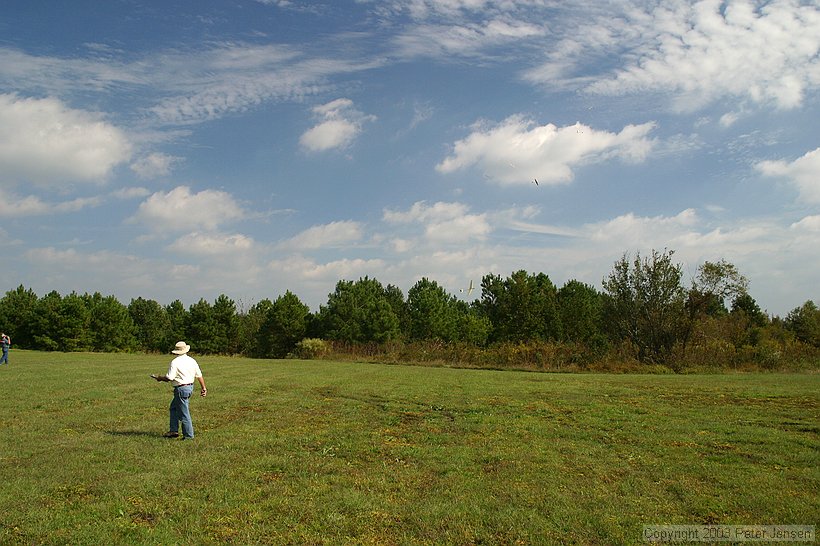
(181, 373)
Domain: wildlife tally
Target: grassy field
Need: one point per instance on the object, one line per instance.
(296, 452)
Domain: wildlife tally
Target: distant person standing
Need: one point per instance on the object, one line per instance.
(181, 373)
(5, 341)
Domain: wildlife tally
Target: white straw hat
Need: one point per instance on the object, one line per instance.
(181, 348)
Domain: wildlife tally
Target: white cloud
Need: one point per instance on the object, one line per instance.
(43, 141)
(130, 193)
(808, 224)
(12, 206)
(57, 76)
(196, 85)
(181, 210)
(230, 78)
(110, 272)
(803, 173)
(517, 151)
(698, 52)
(442, 222)
(442, 41)
(329, 272)
(340, 124)
(422, 212)
(332, 235)
(154, 165)
(629, 227)
(211, 244)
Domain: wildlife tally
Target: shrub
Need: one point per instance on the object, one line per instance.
(310, 348)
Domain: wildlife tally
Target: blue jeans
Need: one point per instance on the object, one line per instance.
(5, 358)
(180, 412)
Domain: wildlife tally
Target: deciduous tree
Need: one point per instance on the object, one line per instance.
(645, 303)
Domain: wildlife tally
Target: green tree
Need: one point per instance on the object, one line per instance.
(226, 323)
(152, 325)
(73, 319)
(645, 304)
(17, 316)
(580, 307)
(202, 330)
(432, 313)
(359, 312)
(46, 323)
(395, 298)
(745, 305)
(473, 326)
(721, 280)
(804, 322)
(250, 325)
(285, 325)
(714, 285)
(110, 325)
(178, 320)
(521, 307)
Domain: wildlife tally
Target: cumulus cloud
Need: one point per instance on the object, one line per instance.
(154, 165)
(442, 222)
(211, 244)
(45, 142)
(422, 212)
(630, 227)
(803, 173)
(518, 151)
(329, 272)
(752, 242)
(181, 210)
(697, 52)
(340, 123)
(334, 234)
(809, 224)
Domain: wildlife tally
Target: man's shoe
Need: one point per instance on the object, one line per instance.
(171, 435)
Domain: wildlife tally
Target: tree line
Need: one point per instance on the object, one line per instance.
(645, 311)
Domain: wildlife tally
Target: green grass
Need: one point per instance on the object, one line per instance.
(296, 452)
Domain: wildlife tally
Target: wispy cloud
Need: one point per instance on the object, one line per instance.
(697, 52)
(465, 39)
(12, 206)
(183, 87)
(155, 165)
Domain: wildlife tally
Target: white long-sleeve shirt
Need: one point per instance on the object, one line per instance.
(183, 370)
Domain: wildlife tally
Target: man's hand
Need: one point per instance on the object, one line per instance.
(203, 392)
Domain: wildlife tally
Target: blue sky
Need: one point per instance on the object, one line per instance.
(190, 149)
